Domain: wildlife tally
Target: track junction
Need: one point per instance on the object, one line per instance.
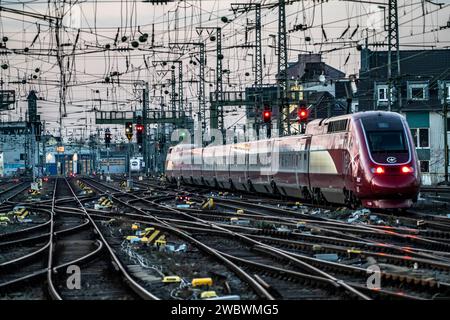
(83, 238)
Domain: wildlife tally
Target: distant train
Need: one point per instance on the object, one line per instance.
(366, 158)
(137, 164)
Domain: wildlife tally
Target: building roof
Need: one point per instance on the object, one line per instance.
(414, 63)
(310, 66)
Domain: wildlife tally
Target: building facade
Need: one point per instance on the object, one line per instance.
(311, 82)
(424, 85)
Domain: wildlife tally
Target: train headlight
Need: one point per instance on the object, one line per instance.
(378, 170)
(406, 169)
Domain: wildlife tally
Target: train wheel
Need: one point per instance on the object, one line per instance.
(250, 186)
(349, 201)
(317, 196)
(232, 187)
(353, 202)
(306, 194)
(274, 187)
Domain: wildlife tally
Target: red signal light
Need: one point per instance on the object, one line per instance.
(303, 113)
(139, 128)
(267, 115)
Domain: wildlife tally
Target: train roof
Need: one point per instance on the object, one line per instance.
(319, 126)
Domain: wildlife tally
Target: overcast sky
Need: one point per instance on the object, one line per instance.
(100, 20)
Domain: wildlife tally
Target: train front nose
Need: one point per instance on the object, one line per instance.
(393, 186)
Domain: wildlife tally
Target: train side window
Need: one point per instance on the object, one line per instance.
(338, 125)
(424, 166)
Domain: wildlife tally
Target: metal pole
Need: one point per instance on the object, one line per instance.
(173, 91)
(445, 110)
(145, 149)
(180, 89)
(219, 83)
(130, 182)
(202, 88)
(393, 44)
(44, 158)
(107, 157)
(282, 69)
(33, 152)
(258, 69)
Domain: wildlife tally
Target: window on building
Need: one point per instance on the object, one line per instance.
(414, 136)
(447, 90)
(382, 93)
(421, 137)
(424, 138)
(418, 91)
(424, 166)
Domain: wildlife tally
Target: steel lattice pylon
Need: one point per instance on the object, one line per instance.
(283, 110)
(393, 53)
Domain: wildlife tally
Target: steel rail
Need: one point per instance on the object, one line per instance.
(245, 238)
(136, 287)
(254, 284)
(51, 287)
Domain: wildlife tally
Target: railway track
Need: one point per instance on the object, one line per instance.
(7, 195)
(75, 238)
(434, 263)
(215, 226)
(68, 239)
(270, 255)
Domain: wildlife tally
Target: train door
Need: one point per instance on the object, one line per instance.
(307, 163)
(302, 164)
(347, 164)
(228, 160)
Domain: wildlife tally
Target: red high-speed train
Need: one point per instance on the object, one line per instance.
(365, 158)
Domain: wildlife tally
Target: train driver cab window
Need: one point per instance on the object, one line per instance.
(385, 135)
(382, 141)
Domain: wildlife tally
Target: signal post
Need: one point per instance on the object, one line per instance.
(129, 134)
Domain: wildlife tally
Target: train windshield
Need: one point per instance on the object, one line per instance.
(386, 141)
(385, 134)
